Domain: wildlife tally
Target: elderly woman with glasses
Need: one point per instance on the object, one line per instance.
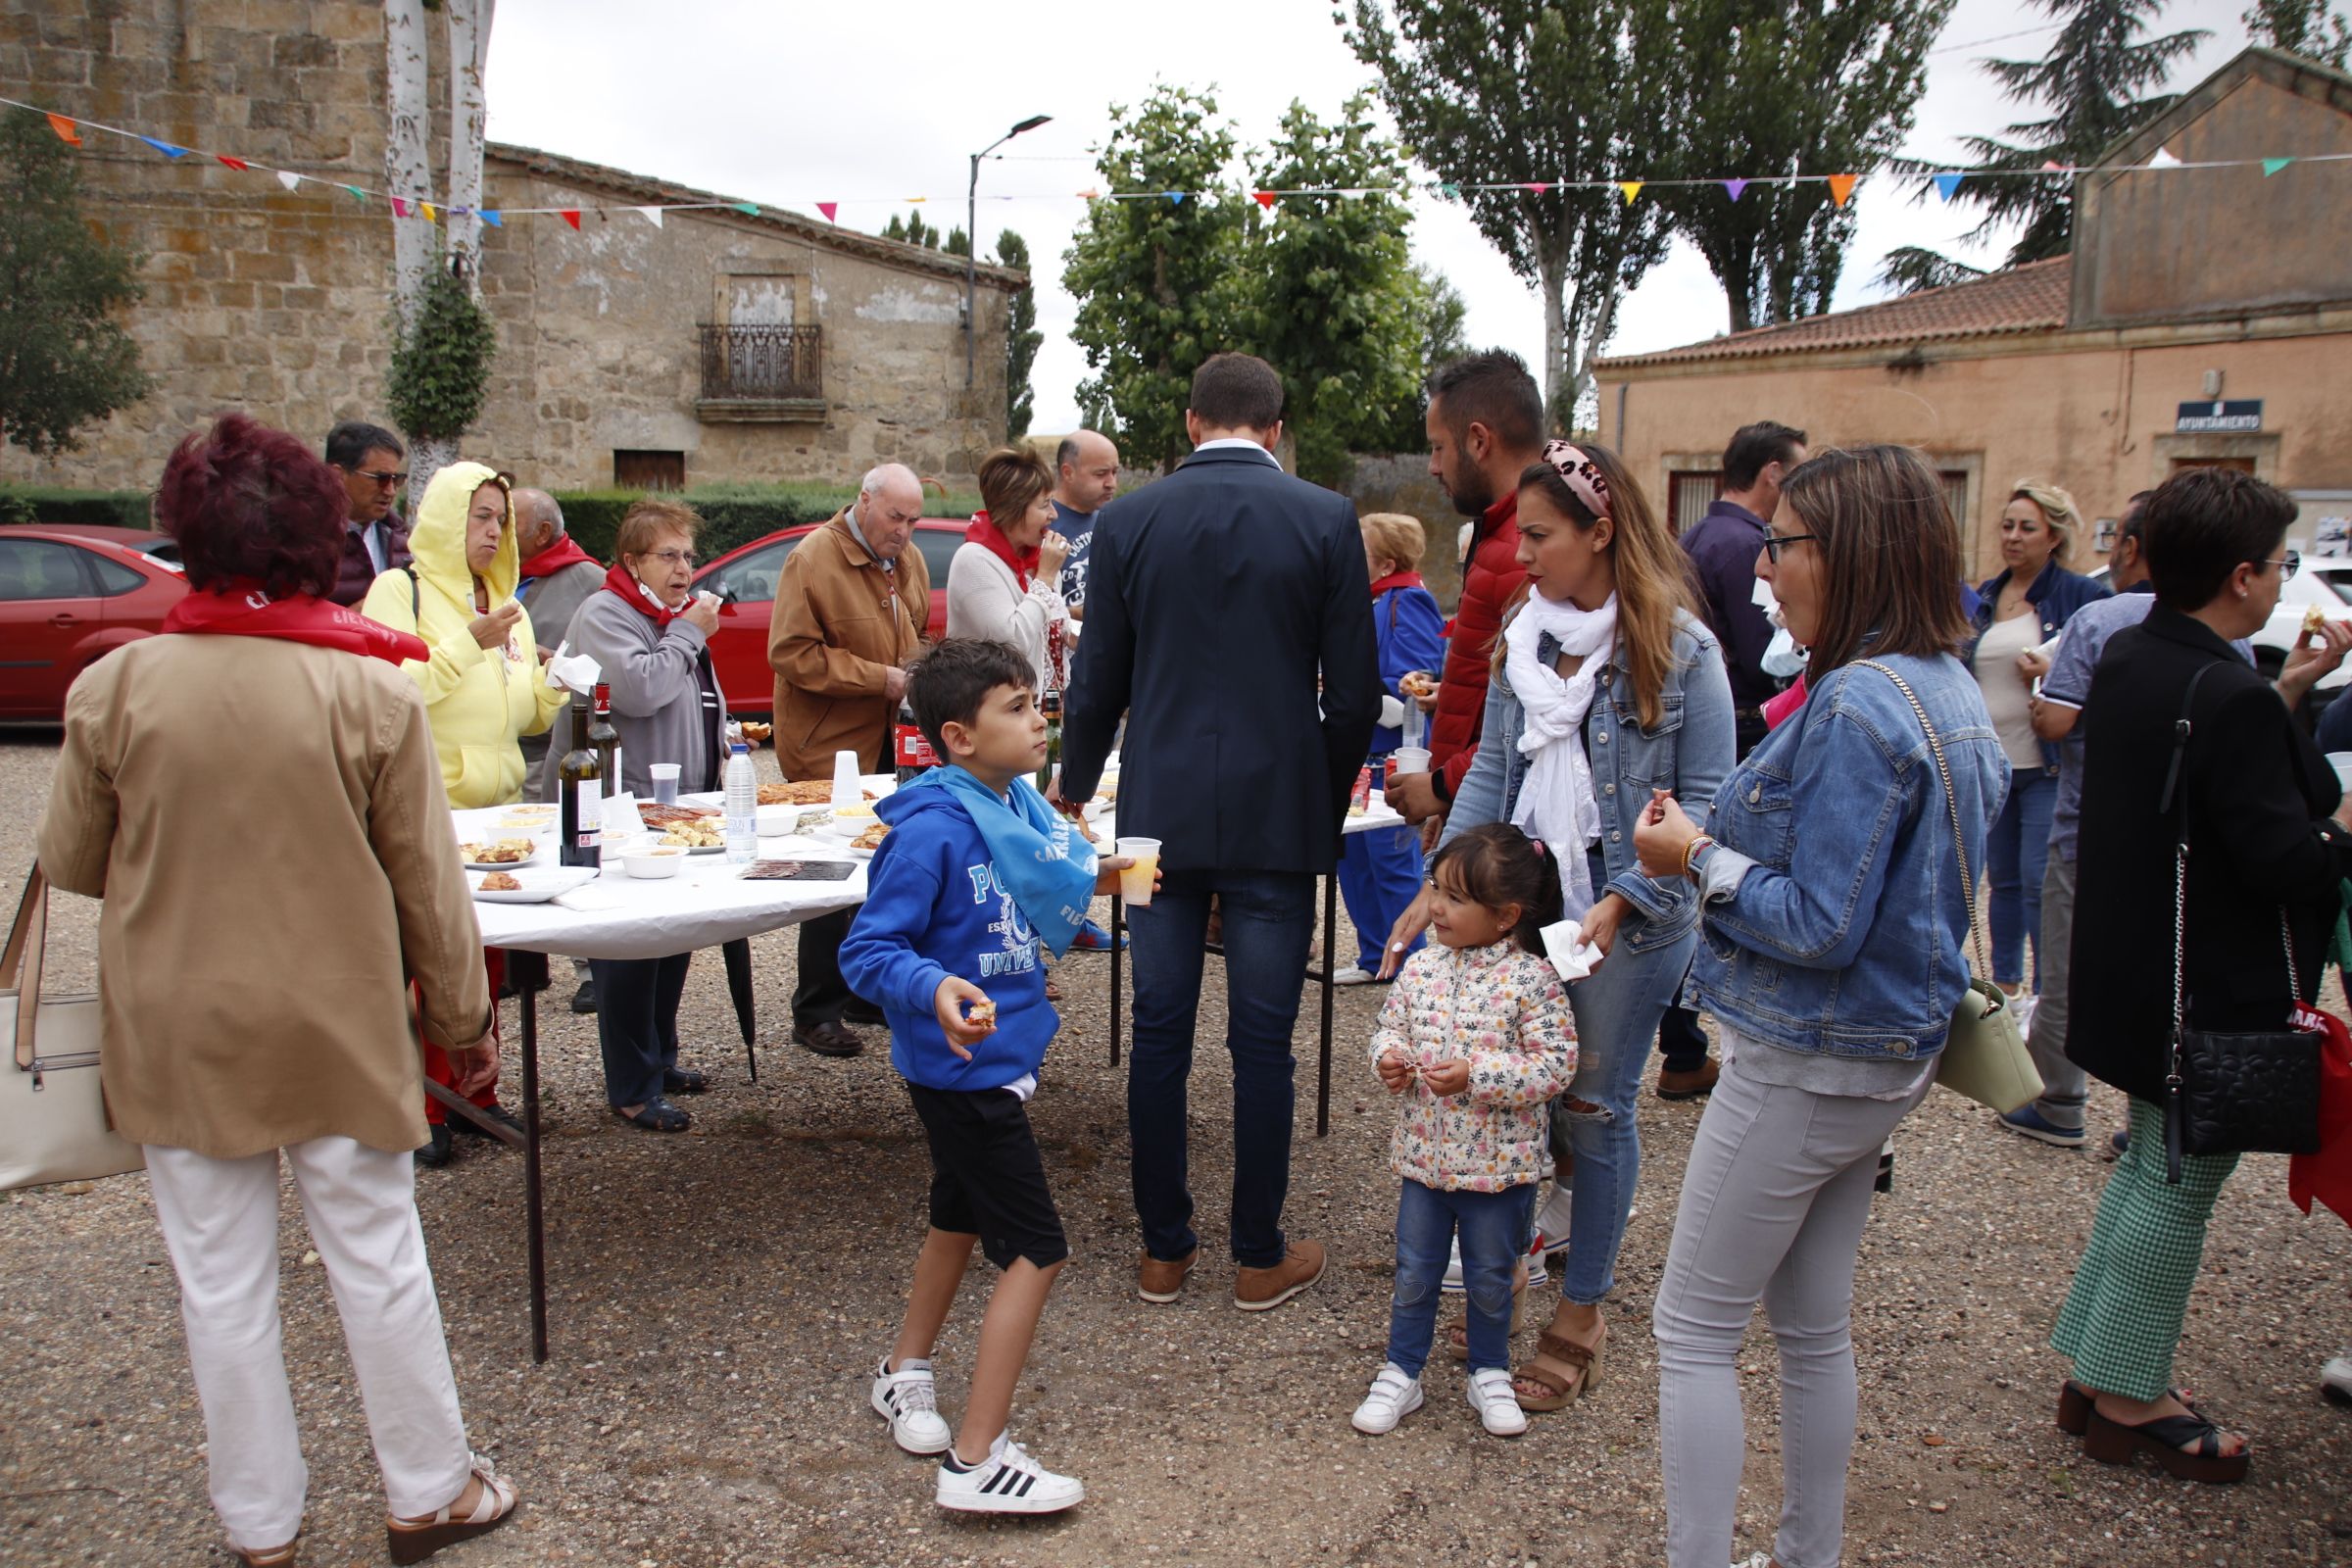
(650, 636)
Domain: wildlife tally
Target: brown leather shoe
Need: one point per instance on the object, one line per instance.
(1160, 1282)
(1699, 1080)
(828, 1040)
(1254, 1290)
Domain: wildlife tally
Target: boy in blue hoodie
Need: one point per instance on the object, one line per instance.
(976, 872)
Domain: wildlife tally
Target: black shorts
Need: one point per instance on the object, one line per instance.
(987, 1177)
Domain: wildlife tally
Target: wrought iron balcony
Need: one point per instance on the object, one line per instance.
(762, 372)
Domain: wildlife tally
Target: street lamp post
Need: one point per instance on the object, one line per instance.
(971, 245)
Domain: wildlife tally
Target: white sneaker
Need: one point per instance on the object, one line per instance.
(1393, 1398)
(1007, 1481)
(1761, 1559)
(907, 1400)
(1551, 1220)
(1497, 1406)
(1539, 1267)
(1356, 974)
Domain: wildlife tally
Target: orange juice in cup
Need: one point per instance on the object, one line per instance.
(1134, 881)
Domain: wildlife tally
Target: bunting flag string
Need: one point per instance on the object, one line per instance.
(1841, 187)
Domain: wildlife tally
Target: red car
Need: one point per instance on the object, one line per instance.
(745, 580)
(68, 598)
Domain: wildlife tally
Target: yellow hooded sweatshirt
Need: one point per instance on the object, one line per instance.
(479, 699)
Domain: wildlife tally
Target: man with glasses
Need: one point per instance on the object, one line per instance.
(851, 604)
(367, 457)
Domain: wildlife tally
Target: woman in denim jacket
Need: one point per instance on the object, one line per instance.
(1834, 952)
(1606, 656)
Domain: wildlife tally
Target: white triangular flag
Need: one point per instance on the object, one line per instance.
(652, 215)
(288, 179)
(2164, 159)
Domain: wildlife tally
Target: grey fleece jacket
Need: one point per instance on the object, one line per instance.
(661, 677)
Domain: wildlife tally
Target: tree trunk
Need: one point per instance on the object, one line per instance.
(469, 53)
(407, 176)
(1589, 346)
(1551, 274)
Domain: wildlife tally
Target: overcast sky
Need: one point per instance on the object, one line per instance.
(789, 103)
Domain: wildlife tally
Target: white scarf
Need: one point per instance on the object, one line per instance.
(1556, 802)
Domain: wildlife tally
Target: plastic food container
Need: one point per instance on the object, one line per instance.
(653, 862)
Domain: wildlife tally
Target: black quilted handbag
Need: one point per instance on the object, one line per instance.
(2231, 1093)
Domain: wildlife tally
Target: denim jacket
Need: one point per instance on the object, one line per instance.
(2055, 594)
(1689, 753)
(1835, 918)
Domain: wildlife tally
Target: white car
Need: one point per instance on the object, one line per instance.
(2325, 583)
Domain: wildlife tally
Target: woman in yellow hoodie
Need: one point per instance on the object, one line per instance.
(483, 689)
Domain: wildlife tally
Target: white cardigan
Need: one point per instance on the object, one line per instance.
(985, 599)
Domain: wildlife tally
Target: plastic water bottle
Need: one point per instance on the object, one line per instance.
(743, 805)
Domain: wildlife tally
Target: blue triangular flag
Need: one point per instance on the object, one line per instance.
(1946, 185)
(490, 216)
(1177, 197)
(164, 147)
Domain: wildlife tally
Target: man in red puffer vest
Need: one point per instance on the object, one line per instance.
(1486, 426)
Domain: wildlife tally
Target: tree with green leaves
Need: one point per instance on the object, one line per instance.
(913, 231)
(1158, 278)
(64, 359)
(1531, 94)
(2097, 81)
(440, 370)
(1335, 307)
(2312, 29)
(1775, 89)
(1440, 315)
(1021, 339)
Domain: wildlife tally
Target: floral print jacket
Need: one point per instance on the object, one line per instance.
(1505, 1011)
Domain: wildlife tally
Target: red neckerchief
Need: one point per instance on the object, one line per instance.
(564, 552)
(238, 607)
(1397, 579)
(619, 581)
(986, 533)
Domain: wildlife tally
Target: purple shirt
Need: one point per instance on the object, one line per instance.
(1723, 546)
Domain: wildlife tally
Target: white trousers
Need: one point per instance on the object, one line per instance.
(219, 1221)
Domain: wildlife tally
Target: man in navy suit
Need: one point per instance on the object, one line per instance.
(1218, 598)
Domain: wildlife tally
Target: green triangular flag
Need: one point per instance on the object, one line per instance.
(2272, 166)
(1454, 192)
(358, 194)
(747, 209)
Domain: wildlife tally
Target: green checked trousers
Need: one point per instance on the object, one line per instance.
(2121, 1320)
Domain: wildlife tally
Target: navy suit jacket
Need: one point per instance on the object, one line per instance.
(1216, 597)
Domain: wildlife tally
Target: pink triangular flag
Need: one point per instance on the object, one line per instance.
(1538, 187)
(400, 207)
(828, 209)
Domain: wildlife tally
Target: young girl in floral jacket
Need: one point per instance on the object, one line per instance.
(1474, 1040)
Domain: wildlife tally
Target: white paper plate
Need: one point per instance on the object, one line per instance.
(531, 859)
(539, 885)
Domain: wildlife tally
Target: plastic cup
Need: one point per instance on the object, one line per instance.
(1135, 882)
(2341, 761)
(1408, 759)
(849, 785)
(665, 783)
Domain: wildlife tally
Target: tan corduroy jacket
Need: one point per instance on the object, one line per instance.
(840, 622)
(266, 823)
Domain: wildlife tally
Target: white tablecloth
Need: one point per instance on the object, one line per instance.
(707, 902)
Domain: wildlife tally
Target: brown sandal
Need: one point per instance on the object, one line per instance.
(1559, 1393)
(412, 1540)
(274, 1557)
(1457, 1337)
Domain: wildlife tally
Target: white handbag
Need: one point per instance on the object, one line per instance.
(53, 1120)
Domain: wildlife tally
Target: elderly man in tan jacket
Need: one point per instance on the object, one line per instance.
(850, 606)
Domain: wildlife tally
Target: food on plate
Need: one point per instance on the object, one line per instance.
(499, 851)
(500, 882)
(2314, 620)
(657, 816)
(981, 1015)
(860, 813)
(756, 733)
(808, 791)
(1358, 808)
(871, 838)
(1414, 683)
(698, 834)
(1106, 793)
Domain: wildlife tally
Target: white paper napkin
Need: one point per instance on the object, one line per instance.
(1570, 954)
(570, 671)
(588, 899)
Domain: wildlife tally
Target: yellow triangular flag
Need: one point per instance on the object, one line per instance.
(1841, 186)
(1632, 188)
(430, 216)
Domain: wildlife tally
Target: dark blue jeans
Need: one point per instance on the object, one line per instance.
(1269, 919)
(637, 1022)
(1493, 1229)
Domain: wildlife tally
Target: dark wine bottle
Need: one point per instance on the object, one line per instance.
(582, 780)
(607, 740)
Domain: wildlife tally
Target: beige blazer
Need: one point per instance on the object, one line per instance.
(266, 826)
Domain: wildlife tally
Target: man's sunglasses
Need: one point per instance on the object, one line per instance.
(388, 481)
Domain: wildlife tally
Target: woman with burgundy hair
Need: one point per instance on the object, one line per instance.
(266, 756)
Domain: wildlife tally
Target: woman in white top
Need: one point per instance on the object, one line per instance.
(1006, 581)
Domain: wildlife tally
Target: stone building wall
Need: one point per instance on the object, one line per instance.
(278, 304)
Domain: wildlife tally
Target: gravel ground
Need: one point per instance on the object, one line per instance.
(718, 1298)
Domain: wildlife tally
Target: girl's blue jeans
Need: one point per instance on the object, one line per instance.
(1493, 1232)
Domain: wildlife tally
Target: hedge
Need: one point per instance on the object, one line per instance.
(119, 508)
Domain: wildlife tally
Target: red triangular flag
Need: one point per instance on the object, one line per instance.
(234, 162)
(64, 129)
(1265, 198)
(1538, 187)
(1841, 186)
(828, 209)
(571, 215)
(400, 207)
